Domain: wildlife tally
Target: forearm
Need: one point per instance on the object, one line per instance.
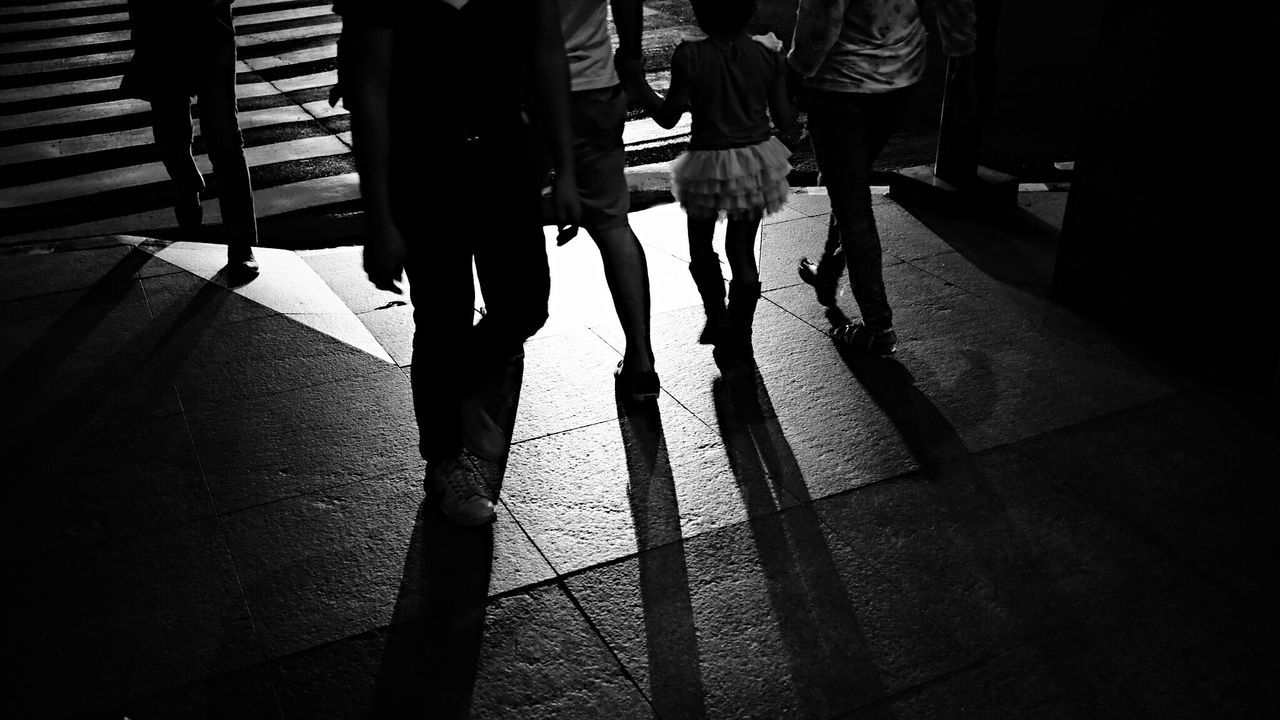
(364, 60)
(551, 87)
(818, 24)
(628, 19)
(663, 111)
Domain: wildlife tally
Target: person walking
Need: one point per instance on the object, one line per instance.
(853, 65)
(732, 84)
(598, 112)
(183, 50)
(460, 85)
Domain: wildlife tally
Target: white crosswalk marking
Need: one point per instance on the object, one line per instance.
(76, 157)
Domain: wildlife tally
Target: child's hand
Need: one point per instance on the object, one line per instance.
(384, 255)
(770, 41)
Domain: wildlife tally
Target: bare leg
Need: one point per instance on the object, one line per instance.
(627, 272)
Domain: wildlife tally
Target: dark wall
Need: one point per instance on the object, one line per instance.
(1042, 58)
(1165, 236)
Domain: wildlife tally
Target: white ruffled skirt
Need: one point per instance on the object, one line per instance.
(736, 182)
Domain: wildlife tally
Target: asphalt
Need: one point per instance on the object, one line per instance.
(214, 506)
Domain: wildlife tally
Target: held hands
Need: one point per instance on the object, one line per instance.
(384, 255)
(631, 75)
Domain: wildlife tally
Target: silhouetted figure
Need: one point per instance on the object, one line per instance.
(185, 49)
(730, 83)
(440, 94)
(854, 63)
(599, 112)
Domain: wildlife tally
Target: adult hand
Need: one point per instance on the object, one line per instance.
(384, 255)
(630, 74)
(565, 202)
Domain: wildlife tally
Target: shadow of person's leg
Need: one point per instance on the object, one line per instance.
(671, 637)
(432, 652)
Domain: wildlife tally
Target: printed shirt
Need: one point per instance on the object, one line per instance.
(585, 26)
(873, 45)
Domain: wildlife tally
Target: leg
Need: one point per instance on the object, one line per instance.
(171, 127)
(740, 246)
(598, 117)
(627, 272)
(515, 280)
(704, 266)
(744, 288)
(220, 129)
(824, 275)
(439, 270)
(840, 126)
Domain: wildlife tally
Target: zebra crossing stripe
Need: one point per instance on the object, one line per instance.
(304, 195)
(126, 177)
(64, 147)
(76, 158)
(115, 108)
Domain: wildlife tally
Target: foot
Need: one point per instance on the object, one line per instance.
(826, 291)
(636, 387)
(241, 263)
(857, 336)
(460, 488)
(714, 331)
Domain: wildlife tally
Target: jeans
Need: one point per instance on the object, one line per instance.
(848, 131)
(454, 360)
(220, 130)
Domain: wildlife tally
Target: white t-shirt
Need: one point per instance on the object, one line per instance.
(585, 24)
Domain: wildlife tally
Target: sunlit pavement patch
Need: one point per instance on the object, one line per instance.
(287, 285)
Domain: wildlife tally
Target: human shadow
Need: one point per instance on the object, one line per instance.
(432, 651)
(671, 639)
(30, 372)
(985, 536)
(829, 658)
(926, 431)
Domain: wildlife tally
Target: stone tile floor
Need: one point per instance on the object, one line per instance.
(218, 511)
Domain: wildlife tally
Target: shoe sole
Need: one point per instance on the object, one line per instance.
(826, 294)
(468, 522)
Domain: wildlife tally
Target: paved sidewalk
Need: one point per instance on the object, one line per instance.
(217, 510)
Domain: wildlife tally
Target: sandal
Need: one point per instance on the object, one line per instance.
(636, 387)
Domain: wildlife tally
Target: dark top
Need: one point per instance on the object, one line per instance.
(457, 72)
(173, 44)
(459, 90)
(729, 86)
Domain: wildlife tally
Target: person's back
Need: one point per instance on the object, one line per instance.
(729, 90)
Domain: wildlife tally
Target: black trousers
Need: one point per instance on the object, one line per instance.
(494, 222)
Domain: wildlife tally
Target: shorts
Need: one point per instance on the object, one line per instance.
(599, 160)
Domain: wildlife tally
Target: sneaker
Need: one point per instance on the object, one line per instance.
(826, 291)
(636, 387)
(856, 336)
(460, 487)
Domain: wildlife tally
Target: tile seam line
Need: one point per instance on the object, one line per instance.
(223, 531)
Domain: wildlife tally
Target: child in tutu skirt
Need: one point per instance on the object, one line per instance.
(731, 84)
